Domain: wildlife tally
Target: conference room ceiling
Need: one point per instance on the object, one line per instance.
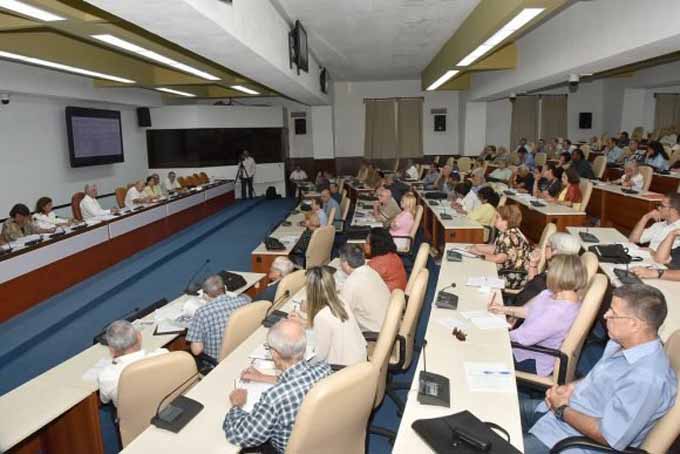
(377, 39)
(71, 42)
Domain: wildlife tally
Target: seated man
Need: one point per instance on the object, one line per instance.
(90, 207)
(523, 180)
(281, 267)
(581, 164)
(333, 187)
(411, 171)
(431, 176)
(206, 328)
(502, 173)
(385, 209)
(125, 346)
(667, 219)
(297, 176)
(628, 390)
(631, 178)
(273, 416)
(135, 196)
(364, 291)
(171, 184)
(329, 203)
(317, 208)
(18, 224)
(548, 184)
(299, 252)
(396, 187)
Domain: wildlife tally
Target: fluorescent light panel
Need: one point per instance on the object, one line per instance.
(176, 92)
(29, 10)
(151, 55)
(246, 90)
(72, 69)
(443, 79)
(519, 21)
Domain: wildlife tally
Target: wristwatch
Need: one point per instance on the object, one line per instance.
(559, 412)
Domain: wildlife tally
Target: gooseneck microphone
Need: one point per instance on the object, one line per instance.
(190, 288)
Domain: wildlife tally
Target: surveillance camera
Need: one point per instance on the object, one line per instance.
(4, 98)
(513, 96)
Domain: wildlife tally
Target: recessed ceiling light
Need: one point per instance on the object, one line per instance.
(443, 79)
(246, 90)
(54, 65)
(29, 10)
(176, 92)
(151, 55)
(519, 21)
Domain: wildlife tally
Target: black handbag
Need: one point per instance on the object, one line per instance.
(611, 253)
(463, 433)
(232, 281)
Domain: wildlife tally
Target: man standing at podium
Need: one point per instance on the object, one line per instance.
(246, 173)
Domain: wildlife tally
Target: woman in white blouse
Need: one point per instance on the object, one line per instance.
(337, 336)
(44, 218)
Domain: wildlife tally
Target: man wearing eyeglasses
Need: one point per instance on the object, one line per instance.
(666, 219)
(629, 389)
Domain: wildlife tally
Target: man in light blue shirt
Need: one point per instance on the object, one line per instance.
(317, 207)
(624, 395)
(329, 203)
(526, 158)
(615, 155)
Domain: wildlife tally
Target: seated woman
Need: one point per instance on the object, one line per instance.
(299, 252)
(511, 250)
(18, 224)
(523, 180)
(337, 335)
(501, 174)
(401, 225)
(657, 156)
(153, 187)
(571, 190)
(44, 218)
(564, 161)
(485, 213)
(384, 259)
(465, 199)
(431, 176)
(488, 154)
(631, 178)
(548, 184)
(549, 316)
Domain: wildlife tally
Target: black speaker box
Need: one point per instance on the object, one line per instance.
(440, 122)
(585, 120)
(300, 126)
(143, 117)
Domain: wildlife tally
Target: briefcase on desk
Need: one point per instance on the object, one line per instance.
(611, 253)
(463, 433)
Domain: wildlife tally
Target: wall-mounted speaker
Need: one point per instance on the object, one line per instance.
(300, 126)
(143, 117)
(585, 120)
(440, 123)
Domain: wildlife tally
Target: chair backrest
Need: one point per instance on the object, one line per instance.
(579, 330)
(344, 207)
(464, 164)
(348, 394)
(341, 185)
(667, 429)
(436, 159)
(204, 178)
(144, 384)
(418, 264)
(503, 200)
(450, 161)
(121, 192)
(320, 245)
(599, 166)
(586, 150)
(409, 322)
(331, 217)
(416, 222)
(75, 205)
(548, 231)
(540, 159)
(514, 157)
(182, 182)
(591, 263)
(647, 172)
(242, 323)
(586, 187)
(382, 350)
(293, 283)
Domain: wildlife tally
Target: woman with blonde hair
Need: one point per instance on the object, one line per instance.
(548, 316)
(403, 222)
(337, 335)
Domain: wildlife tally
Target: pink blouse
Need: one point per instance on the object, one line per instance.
(404, 221)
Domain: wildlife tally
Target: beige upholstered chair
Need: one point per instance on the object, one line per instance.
(541, 159)
(291, 283)
(599, 166)
(464, 164)
(320, 245)
(411, 238)
(586, 151)
(144, 384)
(450, 161)
(331, 217)
(242, 323)
(76, 198)
(436, 159)
(503, 200)
(348, 396)
(344, 210)
(591, 263)
(419, 263)
(586, 187)
(647, 172)
(569, 352)
(514, 158)
(548, 231)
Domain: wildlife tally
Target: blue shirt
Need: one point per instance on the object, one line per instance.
(328, 206)
(323, 218)
(530, 162)
(627, 390)
(658, 162)
(615, 156)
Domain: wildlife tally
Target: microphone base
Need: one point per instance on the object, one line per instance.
(433, 389)
(177, 414)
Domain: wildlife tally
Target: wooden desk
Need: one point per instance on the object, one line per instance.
(262, 259)
(354, 189)
(661, 183)
(447, 356)
(534, 219)
(618, 209)
(57, 412)
(459, 229)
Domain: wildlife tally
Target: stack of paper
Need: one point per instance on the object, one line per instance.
(488, 377)
(255, 391)
(484, 320)
(484, 281)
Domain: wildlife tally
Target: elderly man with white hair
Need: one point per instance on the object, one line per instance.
(273, 416)
(90, 207)
(385, 209)
(135, 195)
(281, 267)
(207, 326)
(125, 346)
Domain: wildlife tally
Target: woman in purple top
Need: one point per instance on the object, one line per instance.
(549, 316)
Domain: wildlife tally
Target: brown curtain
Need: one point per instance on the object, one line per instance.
(380, 137)
(410, 128)
(667, 110)
(553, 116)
(524, 119)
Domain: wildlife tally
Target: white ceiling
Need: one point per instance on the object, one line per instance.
(377, 39)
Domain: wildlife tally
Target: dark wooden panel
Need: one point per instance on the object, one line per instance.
(262, 262)
(664, 184)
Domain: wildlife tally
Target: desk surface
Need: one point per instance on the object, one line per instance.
(550, 209)
(37, 402)
(446, 356)
(617, 189)
(288, 235)
(458, 221)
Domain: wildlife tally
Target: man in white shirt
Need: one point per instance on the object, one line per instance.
(125, 345)
(135, 196)
(90, 207)
(667, 219)
(296, 177)
(411, 171)
(247, 169)
(171, 184)
(632, 178)
(364, 291)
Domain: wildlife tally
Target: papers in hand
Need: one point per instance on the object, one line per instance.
(484, 281)
(485, 320)
(488, 377)
(255, 391)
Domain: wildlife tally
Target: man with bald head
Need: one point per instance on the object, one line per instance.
(273, 416)
(385, 209)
